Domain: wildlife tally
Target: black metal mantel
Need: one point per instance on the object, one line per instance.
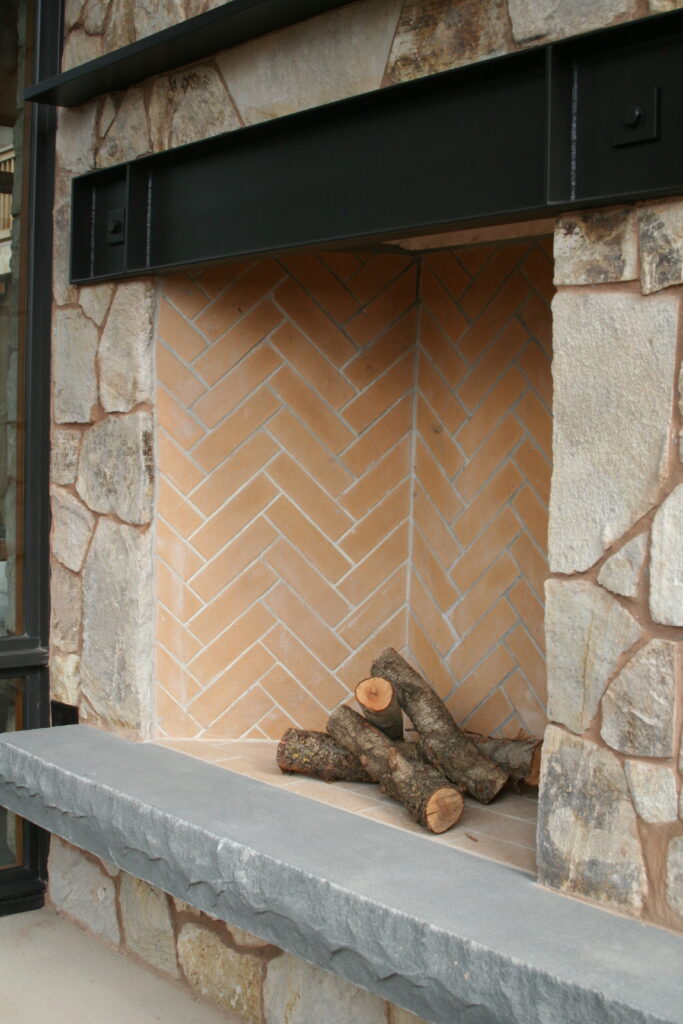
(592, 120)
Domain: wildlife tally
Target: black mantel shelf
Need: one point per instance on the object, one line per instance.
(592, 120)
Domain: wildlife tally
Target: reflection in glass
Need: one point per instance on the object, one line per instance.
(11, 720)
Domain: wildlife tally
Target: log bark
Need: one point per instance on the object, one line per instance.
(380, 705)
(424, 792)
(442, 743)
(307, 752)
(520, 758)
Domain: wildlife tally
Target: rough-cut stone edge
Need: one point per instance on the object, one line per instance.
(207, 835)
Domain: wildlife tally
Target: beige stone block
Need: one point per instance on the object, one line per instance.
(65, 678)
(120, 30)
(661, 246)
(399, 1016)
(659, 6)
(62, 291)
(72, 527)
(290, 70)
(299, 993)
(613, 377)
(65, 609)
(588, 845)
(147, 924)
(189, 105)
(118, 602)
(76, 138)
(78, 887)
(674, 875)
(80, 48)
(242, 938)
(638, 706)
(555, 19)
(72, 13)
(596, 247)
(587, 631)
(230, 980)
(65, 447)
(73, 366)
(94, 300)
(653, 790)
(116, 468)
(94, 16)
(621, 572)
(434, 35)
(126, 354)
(128, 136)
(155, 15)
(666, 561)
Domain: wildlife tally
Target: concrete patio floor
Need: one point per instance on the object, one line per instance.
(52, 971)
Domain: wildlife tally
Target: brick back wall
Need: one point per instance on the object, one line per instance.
(291, 477)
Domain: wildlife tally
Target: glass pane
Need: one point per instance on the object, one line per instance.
(11, 720)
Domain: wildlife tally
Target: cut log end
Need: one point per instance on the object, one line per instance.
(443, 809)
(375, 693)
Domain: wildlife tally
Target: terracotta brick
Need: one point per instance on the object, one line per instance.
(436, 437)
(489, 279)
(171, 718)
(384, 560)
(382, 478)
(177, 377)
(273, 725)
(182, 291)
(231, 644)
(232, 602)
(497, 665)
(483, 509)
(376, 440)
(305, 580)
(381, 395)
(180, 469)
(384, 308)
(378, 523)
(535, 313)
(306, 625)
(526, 704)
(490, 715)
(430, 616)
(302, 534)
(385, 601)
(252, 457)
(357, 666)
(252, 286)
(533, 514)
(491, 628)
(531, 562)
(238, 341)
(306, 668)
(473, 258)
(316, 370)
(445, 356)
(235, 429)
(441, 305)
(296, 304)
(177, 640)
(427, 519)
(535, 364)
(494, 317)
(233, 559)
(240, 383)
(311, 499)
(436, 484)
(433, 576)
(529, 659)
(295, 701)
(492, 364)
(334, 297)
(538, 267)
(484, 551)
(240, 716)
(173, 677)
(449, 271)
(304, 446)
(535, 468)
(174, 594)
(377, 357)
(342, 264)
(180, 336)
(307, 406)
(488, 458)
(490, 586)
(374, 276)
(173, 508)
(491, 411)
(234, 516)
(424, 657)
(231, 685)
(529, 609)
(173, 418)
(439, 395)
(215, 279)
(176, 552)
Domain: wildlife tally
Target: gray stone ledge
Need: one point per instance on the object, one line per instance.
(455, 938)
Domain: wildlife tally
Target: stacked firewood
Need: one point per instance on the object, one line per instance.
(427, 776)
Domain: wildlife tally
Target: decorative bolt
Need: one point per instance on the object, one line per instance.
(632, 116)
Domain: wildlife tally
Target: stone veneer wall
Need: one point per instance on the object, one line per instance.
(239, 973)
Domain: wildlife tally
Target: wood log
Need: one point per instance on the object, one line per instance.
(442, 743)
(380, 705)
(307, 752)
(424, 792)
(519, 757)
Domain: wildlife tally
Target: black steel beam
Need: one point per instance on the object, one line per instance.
(199, 37)
(589, 121)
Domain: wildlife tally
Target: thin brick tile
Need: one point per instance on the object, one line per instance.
(441, 306)
(174, 678)
(529, 609)
(384, 309)
(172, 549)
(473, 258)
(235, 429)
(180, 469)
(374, 276)
(378, 565)
(378, 523)
(305, 447)
(173, 418)
(446, 357)
(171, 718)
(238, 341)
(233, 559)
(436, 484)
(303, 401)
(490, 586)
(174, 595)
(493, 319)
(439, 395)
(236, 639)
(232, 602)
(530, 661)
(231, 684)
(382, 394)
(177, 640)
(253, 456)
(213, 280)
(537, 421)
(173, 507)
(240, 383)
(488, 281)
(486, 677)
(490, 715)
(304, 623)
(240, 716)
(491, 411)
(490, 456)
(432, 574)
(302, 534)
(533, 514)
(384, 602)
(430, 616)
(492, 364)
(491, 628)
(309, 318)
(177, 377)
(310, 672)
(240, 296)
(426, 660)
(311, 365)
(526, 704)
(445, 266)
(357, 667)
(535, 364)
(536, 315)
(536, 468)
(382, 478)
(484, 551)
(301, 708)
(235, 514)
(437, 438)
(274, 724)
(184, 294)
(483, 509)
(381, 354)
(531, 563)
(305, 580)
(305, 493)
(342, 264)
(428, 520)
(372, 444)
(538, 267)
(323, 285)
(181, 336)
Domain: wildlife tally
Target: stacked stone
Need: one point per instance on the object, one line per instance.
(610, 806)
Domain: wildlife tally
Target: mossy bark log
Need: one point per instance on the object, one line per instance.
(307, 752)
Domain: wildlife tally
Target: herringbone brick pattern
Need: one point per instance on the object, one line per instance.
(343, 468)
(284, 414)
(482, 477)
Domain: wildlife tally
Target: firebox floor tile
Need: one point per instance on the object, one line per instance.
(448, 936)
